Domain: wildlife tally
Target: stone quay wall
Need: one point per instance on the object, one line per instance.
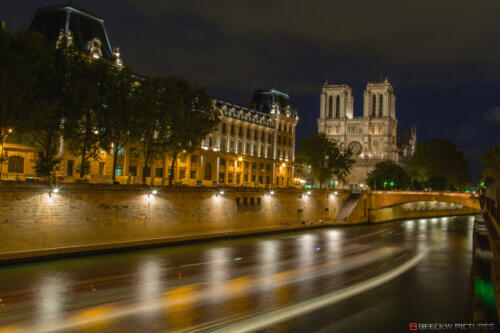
(35, 221)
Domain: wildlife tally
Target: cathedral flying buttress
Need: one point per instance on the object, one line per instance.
(373, 137)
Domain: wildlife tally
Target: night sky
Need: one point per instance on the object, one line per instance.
(442, 57)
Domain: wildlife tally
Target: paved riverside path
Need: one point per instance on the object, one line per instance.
(219, 284)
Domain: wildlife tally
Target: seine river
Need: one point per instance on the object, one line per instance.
(369, 278)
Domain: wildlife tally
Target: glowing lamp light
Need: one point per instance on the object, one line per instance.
(272, 192)
(308, 192)
(221, 193)
(56, 190)
(154, 192)
(335, 192)
(240, 158)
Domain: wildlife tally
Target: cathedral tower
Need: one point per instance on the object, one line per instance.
(379, 101)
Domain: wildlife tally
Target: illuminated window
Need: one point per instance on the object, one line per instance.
(119, 170)
(192, 174)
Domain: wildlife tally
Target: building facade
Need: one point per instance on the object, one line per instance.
(252, 146)
(373, 138)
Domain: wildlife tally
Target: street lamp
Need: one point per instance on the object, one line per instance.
(2, 156)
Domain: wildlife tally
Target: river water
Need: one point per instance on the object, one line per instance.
(367, 278)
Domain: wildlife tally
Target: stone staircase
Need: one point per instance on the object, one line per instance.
(348, 206)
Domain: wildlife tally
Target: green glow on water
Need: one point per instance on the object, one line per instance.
(484, 290)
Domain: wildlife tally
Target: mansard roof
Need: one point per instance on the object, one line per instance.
(240, 112)
(84, 26)
(265, 101)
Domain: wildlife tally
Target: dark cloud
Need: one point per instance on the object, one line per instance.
(443, 57)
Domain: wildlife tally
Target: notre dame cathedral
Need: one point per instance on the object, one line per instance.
(373, 137)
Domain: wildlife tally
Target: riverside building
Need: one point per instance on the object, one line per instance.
(373, 138)
(252, 146)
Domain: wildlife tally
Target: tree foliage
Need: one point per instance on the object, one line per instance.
(67, 100)
(324, 158)
(192, 117)
(117, 120)
(24, 57)
(492, 160)
(439, 162)
(388, 175)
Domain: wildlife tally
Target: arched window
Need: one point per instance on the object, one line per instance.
(210, 142)
(337, 107)
(16, 164)
(381, 105)
(208, 171)
(330, 107)
(374, 105)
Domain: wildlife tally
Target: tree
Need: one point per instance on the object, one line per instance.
(81, 124)
(118, 119)
(438, 159)
(22, 56)
(492, 160)
(324, 158)
(152, 124)
(388, 175)
(191, 114)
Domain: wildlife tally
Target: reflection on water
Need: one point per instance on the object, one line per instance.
(149, 285)
(205, 284)
(51, 295)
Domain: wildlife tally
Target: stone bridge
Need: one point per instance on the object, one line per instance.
(383, 199)
(380, 206)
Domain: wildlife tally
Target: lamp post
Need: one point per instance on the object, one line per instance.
(4, 134)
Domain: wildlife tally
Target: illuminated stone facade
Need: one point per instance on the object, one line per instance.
(249, 148)
(373, 137)
(253, 146)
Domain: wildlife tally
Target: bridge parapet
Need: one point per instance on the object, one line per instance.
(383, 199)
